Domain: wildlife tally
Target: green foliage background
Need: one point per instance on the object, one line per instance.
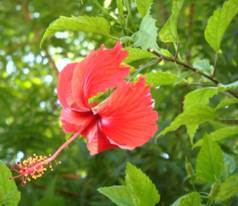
(29, 110)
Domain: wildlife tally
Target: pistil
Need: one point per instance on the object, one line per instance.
(35, 167)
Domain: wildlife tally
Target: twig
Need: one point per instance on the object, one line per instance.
(25, 11)
(70, 176)
(51, 61)
(144, 66)
(190, 28)
(176, 45)
(191, 68)
(128, 15)
(27, 18)
(186, 66)
(229, 121)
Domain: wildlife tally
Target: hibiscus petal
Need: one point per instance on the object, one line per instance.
(75, 121)
(96, 140)
(69, 128)
(98, 72)
(64, 89)
(127, 116)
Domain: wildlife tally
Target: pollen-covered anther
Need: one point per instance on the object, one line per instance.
(32, 168)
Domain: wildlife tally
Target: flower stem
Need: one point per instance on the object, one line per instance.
(62, 147)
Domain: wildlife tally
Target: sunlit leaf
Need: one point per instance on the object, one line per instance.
(135, 54)
(226, 102)
(139, 190)
(118, 194)
(146, 37)
(204, 66)
(199, 97)
(98, 25)
(191, 118)
(191, 199)
(165, 52)
(161, 78)
(168, 32)
(218, 23)
(120, 11)
(219, 134)
(196, 111)
(141, 187)
(229, 164)
(210, 162)
(143, 6)
(228, 188)
(9, 194)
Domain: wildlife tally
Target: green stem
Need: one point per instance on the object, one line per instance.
(215, 64)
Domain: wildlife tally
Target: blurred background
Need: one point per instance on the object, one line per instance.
(29, 109)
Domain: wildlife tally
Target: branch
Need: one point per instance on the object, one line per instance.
(215, 65)
(190, 28)
(144, 66)
(27, 17)
(229, 121)
(51, 61)
(25, 11)
(191, 68)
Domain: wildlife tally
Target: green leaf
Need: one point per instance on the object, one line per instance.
(210, 162)
(117, 194)
(165, 52)
(195, 111)
(219, 135)
(141, 187)
(191, 199)
(161, 78)
(126, 39)
(199, 97)
(98, 97)
(229, 164)
(135, 54)
(139, 190)
(146, 37)
(191, 118)
(226, 102)
(143, 6)
(120, 11)
(168, 32)
(98, 25)
(204, 66)
(228, 188)
(218, 23)
(107, 3)
(9, 194)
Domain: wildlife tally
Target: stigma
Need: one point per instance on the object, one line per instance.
(33, 167)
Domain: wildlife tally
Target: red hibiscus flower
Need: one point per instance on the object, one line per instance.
(125, 119)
